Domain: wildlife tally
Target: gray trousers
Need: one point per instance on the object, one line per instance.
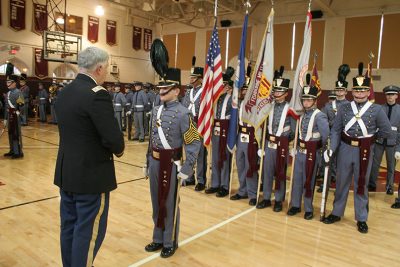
(219, 178)
(348, 166)
(248, 185)
(376, 163)
(299, 180)
(269, 175)
(160, 235)
(118, 116)
(139, 126)
(53, 114)
(15, 146)
(42, 112)
(24, 112)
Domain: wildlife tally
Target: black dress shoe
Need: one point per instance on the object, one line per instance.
(168, 252)
(331, 219)
(320, 188)
(237, 197)
(278, 206)
(293, 211)
(9, 154)
(190, 182)
(396, 205)
(371, 188)
(141, 140)
(199, 187)
(222, 192)
(308, 215)
(212, 190)
(389, 191)
(362, 227)
(135, 139)
(17, 156)
(264, 204)
(153, 247)
(252, 202)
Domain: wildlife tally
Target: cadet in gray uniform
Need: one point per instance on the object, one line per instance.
(14, 101)
(313, 135)
(356, 125)
(119, 102)
(151, 96)
(25, 92)
(330, 109)
(220, 154)
(172, 127)
(281, 130)
(53, 90)
(42, 97)
(192, 102)
(128, 105)
(387, 145)
(138, 105)
(110, 91)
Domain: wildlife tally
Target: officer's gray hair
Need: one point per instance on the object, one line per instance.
(91, 57)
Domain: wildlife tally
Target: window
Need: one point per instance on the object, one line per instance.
(3, 70)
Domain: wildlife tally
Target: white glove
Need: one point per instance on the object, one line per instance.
(182, 176)
(260, 152)
(17, 112)
(327, 155)
(397, 155)
(145, 171)
(5, 123)
(128, 113)
(292, 152)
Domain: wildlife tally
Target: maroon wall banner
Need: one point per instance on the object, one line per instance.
(41, 65)
(147, 39)
(39, 18)
(0, 11)
(111, 32)
(93, 29)
(17, 15)
(137, 38)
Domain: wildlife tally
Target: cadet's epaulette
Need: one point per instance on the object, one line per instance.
(98, 88)
(191, 134)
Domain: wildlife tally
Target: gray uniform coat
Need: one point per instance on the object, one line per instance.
(138, 106)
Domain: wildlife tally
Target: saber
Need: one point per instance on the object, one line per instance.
(325, 191)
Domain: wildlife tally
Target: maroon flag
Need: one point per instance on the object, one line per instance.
(0, 13)
(137, 37)
(147, 39)
(368, 74)
(111, 32)
(315, 79)
(39, 18)
(93, 29)
(41, 65)
(17, 15)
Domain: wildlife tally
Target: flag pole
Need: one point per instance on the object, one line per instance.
(261, 159)
(231, 171)
(293, 161)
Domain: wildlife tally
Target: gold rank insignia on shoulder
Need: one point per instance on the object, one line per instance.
(98, 88)
(191, 134)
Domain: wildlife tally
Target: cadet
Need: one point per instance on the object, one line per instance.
(220, 154)
(313, 135)
(172, 127)
(353, 132)
(13, 104)
(128, 115)
(387, 145)
(331, 97)
(151, 96)
(119, 102)
(42, 97)
(110, 91)
(281, 130)
(25, 92)
(53, 90)
(138, 103)
(192, 102)
(330, 109)
(246, 155)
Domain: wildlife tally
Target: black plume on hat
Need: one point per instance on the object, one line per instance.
(308, 78)
(9, 69)
(226, 77)
(360, 68)
(281, 70)
(361, 82)
(193, 61)
(343, 71)
(159, 57)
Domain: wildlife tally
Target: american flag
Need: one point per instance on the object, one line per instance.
(212, 87)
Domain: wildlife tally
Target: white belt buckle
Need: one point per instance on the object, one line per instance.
(394, 128)
(272, 145)
(244, 138)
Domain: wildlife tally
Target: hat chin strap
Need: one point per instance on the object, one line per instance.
(167, 92)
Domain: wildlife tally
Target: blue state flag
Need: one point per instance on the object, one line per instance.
(240, 79)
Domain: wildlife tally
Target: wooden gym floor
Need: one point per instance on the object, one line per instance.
(214, 232)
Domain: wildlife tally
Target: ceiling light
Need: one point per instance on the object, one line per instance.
(99, 11)
(60, 20)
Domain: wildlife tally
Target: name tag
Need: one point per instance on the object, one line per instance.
(244, 138)
(394, 128)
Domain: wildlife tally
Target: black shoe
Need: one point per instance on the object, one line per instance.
(212, 190)
(265, 203)
(389, 191)
(331, 219)
(141, 140)
(278, 206)
(135, 139)
(153, 247)
(293, 211)
(17, 156)
(190, 182)
(362, 227)
(237, 197)
(252, 202)
(320, 188)
(9, 154)
(222, 192)
(371, 188)
(308, 215)
(168, 252)
(199, 187)
(396, 205)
